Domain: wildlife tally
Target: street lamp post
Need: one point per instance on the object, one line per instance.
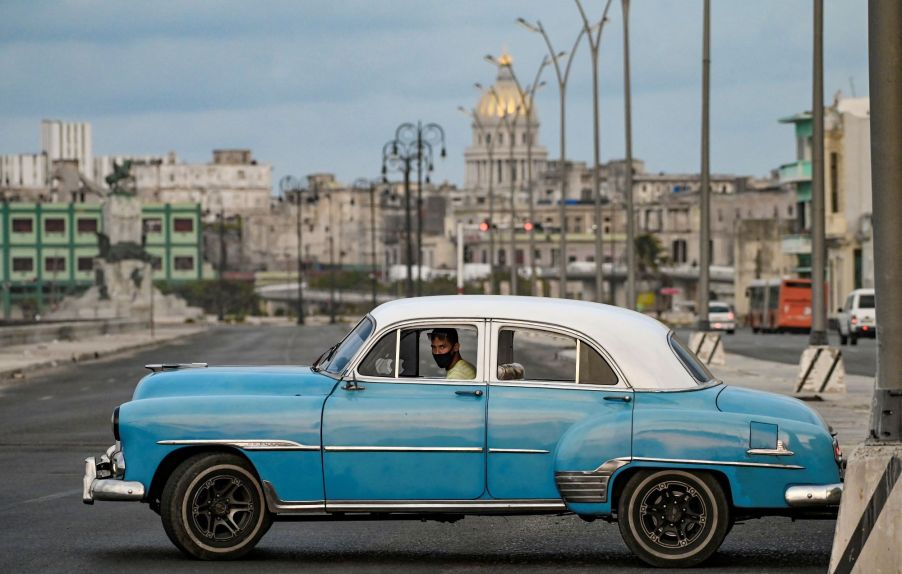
(291, 184)
(489, 137)
(413, 143)
(526, 97)
(370, 185)
(628, 136)
(562, 76)
(705, 193)
(594, 45)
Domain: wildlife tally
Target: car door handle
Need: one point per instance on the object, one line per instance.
(621, 398)
(468, 393)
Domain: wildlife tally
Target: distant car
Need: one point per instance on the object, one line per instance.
(857, 318)
(559, 407)
(721, 317)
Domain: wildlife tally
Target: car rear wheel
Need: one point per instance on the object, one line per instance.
(673, 518)
(213, 507)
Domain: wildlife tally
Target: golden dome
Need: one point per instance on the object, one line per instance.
(503, 98)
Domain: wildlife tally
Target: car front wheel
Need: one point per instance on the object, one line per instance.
(673, 518)
(213, 507)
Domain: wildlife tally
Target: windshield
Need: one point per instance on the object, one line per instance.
(696, 368)
(338, 360)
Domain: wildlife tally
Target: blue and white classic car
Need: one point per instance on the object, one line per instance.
(442, 407)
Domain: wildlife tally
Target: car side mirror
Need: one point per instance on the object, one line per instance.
(352, 384)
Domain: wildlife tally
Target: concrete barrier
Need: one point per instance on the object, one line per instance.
(708, 346)
(821, 370)
(868, 538)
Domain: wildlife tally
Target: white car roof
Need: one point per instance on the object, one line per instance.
(636, 342)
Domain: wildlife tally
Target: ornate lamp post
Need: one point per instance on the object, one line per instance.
(417, 141)
(527, 97)
(400, 155)
(562, 71)
(593, 36)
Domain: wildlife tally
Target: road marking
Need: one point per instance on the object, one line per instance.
(45, 498)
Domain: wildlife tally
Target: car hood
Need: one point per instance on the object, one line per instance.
(231, 381)
(749, 401)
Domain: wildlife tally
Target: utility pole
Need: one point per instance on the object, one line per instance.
(705, 192)
(222, 263)
(870, 516)
(818, 220)
(628, 133)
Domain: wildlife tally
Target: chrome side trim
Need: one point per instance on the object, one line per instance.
(808, 495)
(244, 444)
(343, 448)
(718, 463)
(278, 506)
(566, 386)
(781, 450)
(518, 451)
(442, 506)
(587, 485)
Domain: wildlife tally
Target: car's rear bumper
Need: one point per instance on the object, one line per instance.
(813, 495)
(107, 487)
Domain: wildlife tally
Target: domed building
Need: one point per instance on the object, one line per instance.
(500, 114)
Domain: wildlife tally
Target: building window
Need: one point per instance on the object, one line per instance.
(156, 262)
(23, 225)
(183, 225)
(85, 264)
(184, 263)
(55, 225)
(54, 265)
(23, 264)
(87, 226)
(153, 225)
(834, 182)
(679, 251)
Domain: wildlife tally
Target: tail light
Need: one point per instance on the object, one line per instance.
(854, 320)
(730, 316)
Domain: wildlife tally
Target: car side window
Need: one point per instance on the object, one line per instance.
(438, 351)
(534, 355)
(537, 355)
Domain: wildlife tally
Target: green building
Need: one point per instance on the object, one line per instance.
(47, 250)
(798, 173)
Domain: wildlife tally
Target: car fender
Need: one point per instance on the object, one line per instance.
(279, 435)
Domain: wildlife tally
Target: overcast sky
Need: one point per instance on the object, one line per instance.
(320, 86)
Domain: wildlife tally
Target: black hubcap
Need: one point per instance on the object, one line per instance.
(673, 514)
(222, 508)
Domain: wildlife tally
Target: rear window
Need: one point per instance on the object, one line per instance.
(696, 368)
(865, 301)
(718, 309)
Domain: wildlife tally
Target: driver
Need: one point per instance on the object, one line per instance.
(446, 352)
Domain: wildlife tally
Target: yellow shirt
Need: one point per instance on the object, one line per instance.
(462, 370)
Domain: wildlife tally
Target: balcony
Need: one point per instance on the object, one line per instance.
(796, 244)
(795, 172)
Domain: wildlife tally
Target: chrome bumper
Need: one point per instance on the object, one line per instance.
(107, 487)
(812, 495)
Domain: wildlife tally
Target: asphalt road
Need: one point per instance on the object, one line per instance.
(50, 421)
(860, 359)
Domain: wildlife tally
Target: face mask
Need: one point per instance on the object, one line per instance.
(443, 360)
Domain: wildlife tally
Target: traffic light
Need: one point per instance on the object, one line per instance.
(484, 225)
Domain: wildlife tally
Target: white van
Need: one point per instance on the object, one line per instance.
(856, 318)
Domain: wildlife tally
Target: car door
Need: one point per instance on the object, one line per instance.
(558, 408)
(398, 429)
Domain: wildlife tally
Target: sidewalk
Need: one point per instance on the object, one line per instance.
(848, 414)
(17, 360)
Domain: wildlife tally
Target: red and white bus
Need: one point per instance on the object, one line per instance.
(779, 305)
